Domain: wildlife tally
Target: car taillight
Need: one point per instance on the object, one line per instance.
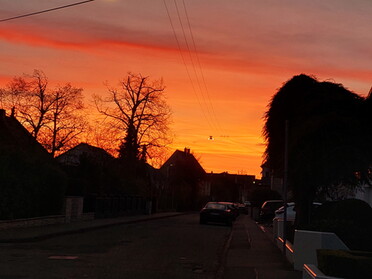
(228, 210)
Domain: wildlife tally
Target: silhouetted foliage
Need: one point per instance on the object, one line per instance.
(367, 125)
(345, 264)
(31, 185)
(327, 140)
(349, 219)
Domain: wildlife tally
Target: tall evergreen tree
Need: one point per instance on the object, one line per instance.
(325, 139)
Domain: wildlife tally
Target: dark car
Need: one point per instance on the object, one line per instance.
(268, 208)
(219, 212)
(234, 208)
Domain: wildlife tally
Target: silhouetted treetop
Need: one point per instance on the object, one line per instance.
(327, 137)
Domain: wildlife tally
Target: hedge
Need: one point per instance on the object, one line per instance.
(345, 264)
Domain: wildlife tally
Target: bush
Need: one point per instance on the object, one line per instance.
(350, 220)
(31, 186)
(345, 264)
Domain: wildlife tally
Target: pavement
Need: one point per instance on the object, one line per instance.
(251, 254)
(248, 253)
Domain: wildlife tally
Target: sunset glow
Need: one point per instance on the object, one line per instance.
(220, 67)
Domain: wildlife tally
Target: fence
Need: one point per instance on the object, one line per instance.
(113, 206)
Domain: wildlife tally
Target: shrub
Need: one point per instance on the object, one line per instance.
(349, 219)
(31, 185)
(345, 264)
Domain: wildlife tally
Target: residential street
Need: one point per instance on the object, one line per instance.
(175, 247)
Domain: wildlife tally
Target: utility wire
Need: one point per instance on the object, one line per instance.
(45, 11)
(193, 65)
(184, 62)
(206, 107)
(201, 70)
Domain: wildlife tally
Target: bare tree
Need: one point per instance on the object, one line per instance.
(29, 97)
(140, 114)
(102, 135)
(65, 122)
(50, 115)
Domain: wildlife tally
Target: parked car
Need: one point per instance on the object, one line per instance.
(291, 211)
(267, 210)
(247, 203)
(219, 212)
(234, 208)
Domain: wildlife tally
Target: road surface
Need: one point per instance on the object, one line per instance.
(176, 248)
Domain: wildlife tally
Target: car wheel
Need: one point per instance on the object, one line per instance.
(229, 223)
(202, 221)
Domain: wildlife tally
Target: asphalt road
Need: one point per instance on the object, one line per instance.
(176, 247)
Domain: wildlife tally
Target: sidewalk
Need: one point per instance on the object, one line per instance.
(252, 255)
(43, 232)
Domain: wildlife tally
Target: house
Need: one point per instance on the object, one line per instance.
(14, 136)
(104, 182)
(91, 171)
(185, 179)
(75, 155)
(32, 184)
(268, 179)
(265, 175)
(230, 187)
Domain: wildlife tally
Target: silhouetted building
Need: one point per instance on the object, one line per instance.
(269, 180)
(108, 188)
(265, 175)
(14, 136)
(91, 171)
(185, 179)
(75, 155)
(31, 183)
(230, 187)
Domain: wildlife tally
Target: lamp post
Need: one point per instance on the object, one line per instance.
(171, 184)
(285, 186)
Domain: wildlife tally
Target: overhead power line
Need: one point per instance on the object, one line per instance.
(46, 11)
(199, 84)
(214, 117)
(192, 61)
(184, 62)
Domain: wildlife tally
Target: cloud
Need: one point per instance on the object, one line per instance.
(69, 39)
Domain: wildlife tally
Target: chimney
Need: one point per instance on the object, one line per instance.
(187, 151)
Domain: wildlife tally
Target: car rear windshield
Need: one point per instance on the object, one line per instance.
(216, 206)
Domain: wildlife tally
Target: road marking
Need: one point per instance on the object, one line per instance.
(249, 239)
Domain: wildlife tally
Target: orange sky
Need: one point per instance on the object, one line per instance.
(246, 50)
